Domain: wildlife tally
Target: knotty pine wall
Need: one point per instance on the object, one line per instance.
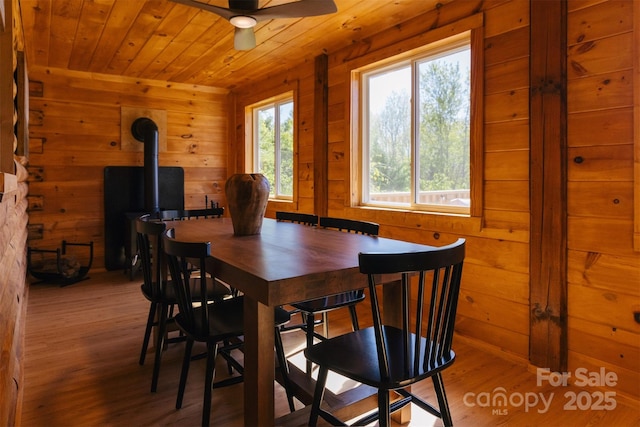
(603, 269)
(75, 132)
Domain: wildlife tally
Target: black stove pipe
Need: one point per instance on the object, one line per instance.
(145, 130)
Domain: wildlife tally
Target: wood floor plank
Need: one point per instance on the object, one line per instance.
(81, 369)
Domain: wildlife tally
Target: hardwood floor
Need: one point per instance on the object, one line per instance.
(81, 369)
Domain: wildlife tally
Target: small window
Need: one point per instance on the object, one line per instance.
(273, 145)
(415, 133)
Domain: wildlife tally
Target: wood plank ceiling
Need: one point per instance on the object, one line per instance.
(163, 40)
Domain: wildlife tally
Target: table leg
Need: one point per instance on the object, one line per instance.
(259, 364)
(391, 294)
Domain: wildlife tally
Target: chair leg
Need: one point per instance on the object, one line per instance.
(147, 332)
(229, 367)
(212, 349)
(325, 324)
(318, 395)
(309, 332)
(438, 385)
(185, 372)
(284, 368)
(354, 317)
(162, 330)
(383, 408)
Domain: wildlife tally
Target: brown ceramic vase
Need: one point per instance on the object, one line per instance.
(247, 197)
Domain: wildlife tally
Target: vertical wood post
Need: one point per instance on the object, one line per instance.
(321, 136)
(6, 94)
(548, 171)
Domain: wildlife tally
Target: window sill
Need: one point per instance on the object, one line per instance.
(436, 220)
(8, 184)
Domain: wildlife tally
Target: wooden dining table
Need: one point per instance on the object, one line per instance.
(285, 263)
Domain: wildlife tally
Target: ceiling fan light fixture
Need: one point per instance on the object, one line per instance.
(242, 21)
(244, 39)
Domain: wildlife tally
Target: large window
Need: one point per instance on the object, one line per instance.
(273, 145)
(415, 131)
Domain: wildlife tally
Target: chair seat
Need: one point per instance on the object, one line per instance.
(330, 302)
(225, 320)
(360, 361)
(216, 291)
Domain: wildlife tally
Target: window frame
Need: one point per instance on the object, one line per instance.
(412, 64)
(471, 27)
(253, 158)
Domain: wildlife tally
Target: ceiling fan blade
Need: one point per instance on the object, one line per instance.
(221, 11)
(297, 9)
(244, 39)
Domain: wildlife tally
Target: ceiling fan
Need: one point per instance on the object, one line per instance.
(245, 14)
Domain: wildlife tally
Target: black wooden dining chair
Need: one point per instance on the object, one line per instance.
(393, 357)
(322, 306)
(158, 290)
(297, 217)
(211, 323)
(186, 214)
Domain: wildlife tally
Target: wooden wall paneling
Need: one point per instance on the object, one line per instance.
(508, 342)
(505, 16)
(603, 272)
(499, 165)
(636, 127)
(503, 106)
(507, 75)
(115, 90)
(509, 135)
(590, 22)
(584, 232)
(602, 342)
(588, 163)
(604, 308)
(320, 136)
(601, 127)
(548, 293)
(602, 55)
(6, 94)
(626, 388)
(610, 272)
(512, 286)
(596, 92)
(506, 195)
(507, 46)
(611, 199)
(500, 313)
(81, 123)
(514, 223)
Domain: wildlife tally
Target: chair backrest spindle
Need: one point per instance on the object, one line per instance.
(297, 217)
(350, 225)
(186, 214)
